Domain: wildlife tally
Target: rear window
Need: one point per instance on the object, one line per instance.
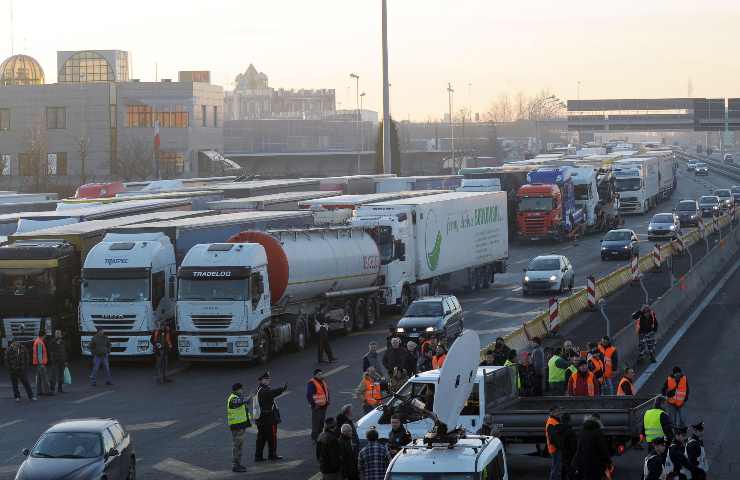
(708, 200)
(735, 189)
(686, 206)
(722, 193)
(663, 218)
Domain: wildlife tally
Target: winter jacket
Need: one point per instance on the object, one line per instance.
(17, 357)
(348, 451)
(372, 359)
(57, 350)
(100, 345)
(328, 452)
(592, 454)
(394, 357)
(341, 420)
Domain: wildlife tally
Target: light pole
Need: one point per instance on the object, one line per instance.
(386, 96)
(362, 133)
(450, 92)
(357, 116)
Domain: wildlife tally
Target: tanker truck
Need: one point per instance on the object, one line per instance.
(261, 292)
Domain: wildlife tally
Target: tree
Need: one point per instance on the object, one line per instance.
(520, 106)
(135, 159)
(35, 161)
(501, 109)
(395, 150)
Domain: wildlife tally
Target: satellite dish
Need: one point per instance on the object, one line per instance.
(456, 378)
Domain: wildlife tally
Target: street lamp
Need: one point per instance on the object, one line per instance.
(387, 161)
(357, 116)
(450, 92)
(362, 133)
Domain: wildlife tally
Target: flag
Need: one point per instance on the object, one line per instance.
(156, 134)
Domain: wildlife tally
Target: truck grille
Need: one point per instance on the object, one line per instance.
(29, 327)
(534, 225)
(211, 322)
(120, 322)
(118, 344)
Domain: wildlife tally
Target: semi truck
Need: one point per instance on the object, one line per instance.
(261, 292)
(275, 201)
(338, 210)
(638, 184)
(429, 242)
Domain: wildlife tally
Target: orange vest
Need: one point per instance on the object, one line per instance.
(590, 383)
(372, 392)
(620, 387)
(551, 422)
(598, 368)
(36, 351)
(438, 361)
(681, 390)
(321, 395)
(608, 366)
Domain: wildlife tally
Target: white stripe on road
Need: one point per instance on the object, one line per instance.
(92, 397)
(338, 369)
(11, 423)
(284, 434)
(139, 427)
(193, 472)
(200, 431)
(491, 300)
(9, 468)
(489, 313)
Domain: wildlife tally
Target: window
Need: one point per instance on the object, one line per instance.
(4, 119)
(108, 441)
(5, 161)
(56, 164)
(158, 289)
(139, 116)
(88, 67)
(215, 116)
(117, 433)
(171, 164)
(56, 118)
(144, 116)
(28, 164)
(204, 115)
(256, 288)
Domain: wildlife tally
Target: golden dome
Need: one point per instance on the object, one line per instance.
(21, 70)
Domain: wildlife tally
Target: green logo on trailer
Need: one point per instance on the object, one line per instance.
(432, 242)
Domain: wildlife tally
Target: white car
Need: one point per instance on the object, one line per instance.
(664, 226)
(548, 273)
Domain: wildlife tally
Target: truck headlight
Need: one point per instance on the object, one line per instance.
(526, 279)
(183, 342)
(672, 227)
(242, 344)
(400, 330)
(142, 345)
(650, 228)
(553, 278)
(85, 345)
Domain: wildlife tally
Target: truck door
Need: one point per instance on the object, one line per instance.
(495, 468)
(257, 289)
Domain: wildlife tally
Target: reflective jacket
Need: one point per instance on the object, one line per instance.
(39, 342)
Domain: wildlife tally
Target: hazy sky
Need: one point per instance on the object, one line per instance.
(630, 48)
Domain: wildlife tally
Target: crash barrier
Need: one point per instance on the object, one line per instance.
(554, 317)
(635, 268)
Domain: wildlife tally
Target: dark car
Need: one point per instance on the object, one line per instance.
(735, 189)
(621, 243)
(709, 205)
(440, 316)
(81, 449)
(701, 169)
(726, 198)
(688, 212)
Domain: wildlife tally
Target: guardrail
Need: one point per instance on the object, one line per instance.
(718, 166)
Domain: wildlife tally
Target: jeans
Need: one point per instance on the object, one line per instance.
(556, 469)
(42, 380)
(161, 367)
(676, 414)
(57, 376)
(318, 415)
(20, 376)
(237, 435)
(97, 361)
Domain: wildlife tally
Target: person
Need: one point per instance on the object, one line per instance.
(17, 362)
(568, 445)
(100, 349)
(695, 453)
(348, 450)
(610, 356)
(373, 459)
(40, 360)
(487, 359)
(527, 376)
(583, 383)
(268, 418)
(653, 467)
(412, 359)
(429, 345)
(161, 341)
(58, 357)
(487, 427)
(238, 418)
(345, 417)
(595, 362)
(656, 423)
(646, 325)
(625, 386)
(425, 360)
(677, 464)
(369, 390)
(372, 359)
(592, 459)
(322, 330)
(676, 390)
(511, 363)
(500, 351)
(439, 357)
(398, 436)
(392, 333)
(317, 394)
(328, 451)
(394, 357)
(557, 368)
(552, 438)
(397, 380)
(538, 363)
(569, 350)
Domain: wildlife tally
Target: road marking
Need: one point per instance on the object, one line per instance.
(8, 424)
(176, 371)
(367, 332)
(527, 300)
(284, 434)
(496, 330)
(491, 300)
(489, 313)
(139, 427)
(668, 348)
(201, 430)
(517, 289)
(193, 472)
(335, 370)
(92, 397)
(315, 476)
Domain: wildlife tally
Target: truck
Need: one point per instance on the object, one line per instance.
(430, 242)
(338, 210)
(275, 201)
(259, 292)
(198, 199)
(638, 183)
(667, 168)
(546, 206)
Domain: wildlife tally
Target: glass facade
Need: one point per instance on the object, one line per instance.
(21, 70)
(144, 116)
(87, 67)
(56, 163)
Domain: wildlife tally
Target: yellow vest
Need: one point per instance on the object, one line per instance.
(651, 421)
(509, 363)
(236, 415)
(555, 374)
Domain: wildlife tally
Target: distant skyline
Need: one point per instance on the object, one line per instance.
(484, 48)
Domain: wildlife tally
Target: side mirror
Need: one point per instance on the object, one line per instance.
(112, 452)
(25, 452)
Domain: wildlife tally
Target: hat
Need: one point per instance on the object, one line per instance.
(264, 376)
(317, 371)
(236, 386)
(681, 430)
(659, 441)
(698, 427)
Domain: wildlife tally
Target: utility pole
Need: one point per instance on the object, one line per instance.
(387, 161)
(357, 117)
(362, 133)
(451, 91)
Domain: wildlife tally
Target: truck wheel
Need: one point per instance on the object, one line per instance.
(371, 314)
(405, 299)
(487, 277)
(349, 325)
(434, 288)
(263, 348)
(359, 316)
(300, 337)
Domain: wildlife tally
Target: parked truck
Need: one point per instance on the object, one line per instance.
(338, 210)
(638, 184)
(263, 291)
(429, 242)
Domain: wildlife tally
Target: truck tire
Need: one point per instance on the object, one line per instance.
(263, 347)
(371, 314)
(300, 336)
(434, 288)
(488, 277)
(349, 313)
(359, 314)
(405, 299)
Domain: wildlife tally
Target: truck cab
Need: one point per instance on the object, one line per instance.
(128, 290)
(546, 206)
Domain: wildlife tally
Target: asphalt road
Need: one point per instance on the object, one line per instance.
(179, 429)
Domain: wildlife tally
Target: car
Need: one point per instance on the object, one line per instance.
(729, 158)
(709, 205)
(735, 189)
(701, 169)
(620, 243)
(664, 226)
(94, 448)
(548, 273)
(100, 190)
(690, 165)
(440, 316)
(688, 212)
(726, 199)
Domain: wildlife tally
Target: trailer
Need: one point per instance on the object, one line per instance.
(252, 188)
(274, 201)
(338, 210)
(638, 184)
(199, 199)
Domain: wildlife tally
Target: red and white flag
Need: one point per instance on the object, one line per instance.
(156, 134)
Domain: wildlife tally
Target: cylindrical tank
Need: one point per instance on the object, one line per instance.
(306, 263)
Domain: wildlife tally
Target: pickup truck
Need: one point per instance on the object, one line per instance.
(517, 419)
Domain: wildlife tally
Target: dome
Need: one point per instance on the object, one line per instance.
(21, 70)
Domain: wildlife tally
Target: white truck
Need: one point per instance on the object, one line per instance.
(128, 287)
(427, 242)
(638, 183)
(264, 291)
(667, 168)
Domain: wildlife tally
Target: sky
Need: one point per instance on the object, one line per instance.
(485, 48)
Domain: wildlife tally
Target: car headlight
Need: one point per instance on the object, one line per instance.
(553, 278)
(626, 247)
(693, 217)
(603, 248)
(430, 329)
(400, 330)
(650, 228)
(526, 279)
(715, 207)
(672, 227)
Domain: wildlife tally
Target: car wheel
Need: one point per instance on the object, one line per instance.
(349, 314)
(372, 313)
(603, 257)
(525, 292)
(131, 470)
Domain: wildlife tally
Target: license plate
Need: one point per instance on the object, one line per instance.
(118, 344)
(414, 334)
(210, 344)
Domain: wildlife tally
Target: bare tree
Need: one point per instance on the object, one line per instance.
(501, 110)
(134, 160)
(520, 106)
(35, 160)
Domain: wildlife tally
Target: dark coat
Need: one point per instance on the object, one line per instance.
(395, 357)
(348, 451)
(328, 453)
(266, 398)
(57, 350)
(341, 420)
(568, 443)
(592, 455)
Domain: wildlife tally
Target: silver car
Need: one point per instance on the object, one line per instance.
(664, 226)
(548, 273)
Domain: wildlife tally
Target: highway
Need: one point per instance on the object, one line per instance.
(179, 429)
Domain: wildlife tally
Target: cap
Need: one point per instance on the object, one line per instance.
(699, 426)
(681, 430)
(263, 376)
(317, 371)
(659, 441)
(236, 386)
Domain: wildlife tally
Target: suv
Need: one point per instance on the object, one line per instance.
(439, 316)
(709, 205)
(701, 169)
(688, 212)
(664, 226)
(729, 158)
(726, 199)
(548, 273)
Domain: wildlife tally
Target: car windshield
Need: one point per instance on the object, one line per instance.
(628, 184)
(701, 165)
(663, 218)
(535, 204)
(735, 190)
(544, 264)
(424, 309)
(211, 289)
(68, 445)
(708, 200)
(115, 290)
(617, 235)
(433, 476)
(686, 207)
(722, 193)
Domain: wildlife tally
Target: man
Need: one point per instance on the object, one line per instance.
(677, 464)
(369, 390)
(625, 386)
(653, 466)
(238, 418)
(394, 357)
(372, 359)
(322, 329)
(500, 352)
(162, 344)
(372, 462)
(425, 360)
(656, 423)
(583, 383)
(398, 436)
(328, 452)
(412, 359)
(439, 357)
(429, 345)
(538, 363)
(610, 357)
(557, 367)
(346, 417)
(487, 359)
(348, 450)
(511, 363)
(527, 376)
(568, 445)
(695, 453)
(100, 349)
(17, 361)
(317, 394)
(646, 325)
(552, 437)
(487, 427)
(397, 380)
(676, 389)
(268, 418)
(595, 362)
(58, 356)
(592, 459)
(40, 359)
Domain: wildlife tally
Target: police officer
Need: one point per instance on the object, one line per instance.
(655, 461)
(238, 418)
(268, 418)
(695, 453)
(677, 465)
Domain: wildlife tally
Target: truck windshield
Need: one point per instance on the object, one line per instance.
(535, 204)
(211, 289)
(581, 192)
(21, 281)
(384, 239)
(628, 184)
(115, 289)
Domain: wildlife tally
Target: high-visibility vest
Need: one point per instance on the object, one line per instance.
(372, 392)
(36, 344)
(598, 370)
(555, 374)
(509, 363)
(681, 389)
(237, 415)
(551, 421)
(590, 383)
(438, 361)
(321, 393)
(608, 364)
(651, 422)
(620, 387)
